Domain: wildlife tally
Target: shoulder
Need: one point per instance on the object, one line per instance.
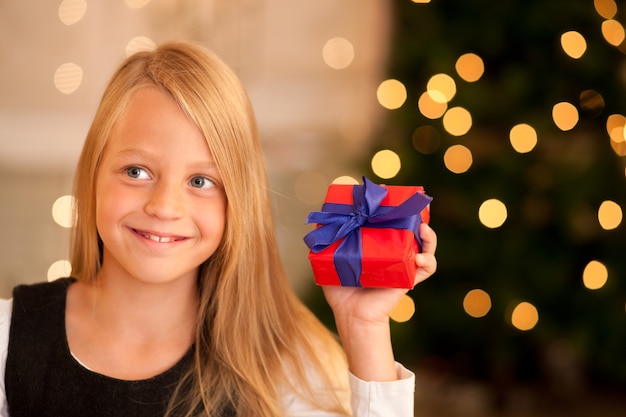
(29, 297)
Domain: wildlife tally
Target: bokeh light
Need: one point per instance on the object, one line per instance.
(613, 32)
(591, 102)
(404, 310)
(386, 164)
(573, 44)
(67, 78)
(458, 159)
(430, 108)
(470, 67)
(477, 303)
(62, 211)
(595, 275)
(492, 213)
(565, 115)
(138, 44)
(441, 88)
(338, 53)
(391, 94)
(59, 269)
(457, 121)
(605, 8)
(72, 11)
(609, 215)
(524, 316)
(426, 139)
(346, 180)
(523, 138)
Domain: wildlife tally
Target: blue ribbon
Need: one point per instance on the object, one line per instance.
(343, 220)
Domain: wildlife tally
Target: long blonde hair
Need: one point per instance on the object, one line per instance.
(254, 337)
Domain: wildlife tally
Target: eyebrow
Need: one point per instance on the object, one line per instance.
(140, 153)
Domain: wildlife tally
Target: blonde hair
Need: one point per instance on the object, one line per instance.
(254, 337)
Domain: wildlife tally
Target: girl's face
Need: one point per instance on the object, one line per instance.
(160, 205)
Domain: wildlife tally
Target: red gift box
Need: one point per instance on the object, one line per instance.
(387, 258)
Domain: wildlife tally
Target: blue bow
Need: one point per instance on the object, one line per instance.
(343, 220)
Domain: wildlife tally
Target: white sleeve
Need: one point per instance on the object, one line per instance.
(5, 323)
(384, 399)
(367, 399)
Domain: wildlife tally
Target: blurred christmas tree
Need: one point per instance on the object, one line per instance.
(549, 176)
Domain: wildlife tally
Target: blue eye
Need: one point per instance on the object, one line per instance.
(137, 173)
(201, 182)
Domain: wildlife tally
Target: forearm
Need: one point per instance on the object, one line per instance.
(368, 349)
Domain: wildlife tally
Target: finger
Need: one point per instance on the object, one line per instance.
(429, 239)
(427, 265)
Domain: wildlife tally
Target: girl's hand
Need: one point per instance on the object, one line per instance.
(362, 316)
(376, 304)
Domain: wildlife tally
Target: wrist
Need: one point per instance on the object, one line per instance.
(368, 348)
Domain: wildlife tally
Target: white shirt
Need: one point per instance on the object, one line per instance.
(368, 399)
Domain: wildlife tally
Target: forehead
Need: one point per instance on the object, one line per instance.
(152, 119)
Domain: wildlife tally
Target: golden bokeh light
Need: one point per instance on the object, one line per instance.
(523, 138)
(404, 310)
(615, 128)
(59, 269)
(457, 121)
(605, 8)
(430, 108)
(477, 303)
(137, 4)
(310, 187)
(524, 316)
(458, 159)
(386, 164)
(338, 53)
(421, 1)
(426, 139)
(62, 211)
(441, 88)
(72, 11)
(492, 213)
(470, 67)
(573, 44)
(67, 78)
(609, 215)
(613, 32)
(595, 275)
(565, 116)
(391, 94)
(138, 44)
(346, 180)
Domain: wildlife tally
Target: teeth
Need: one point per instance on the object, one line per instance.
(159, 239)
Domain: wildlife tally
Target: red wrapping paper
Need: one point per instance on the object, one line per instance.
(388, 255)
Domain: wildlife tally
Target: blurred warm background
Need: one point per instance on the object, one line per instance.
(511, 114)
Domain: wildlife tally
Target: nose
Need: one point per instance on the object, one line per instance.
(165, 201)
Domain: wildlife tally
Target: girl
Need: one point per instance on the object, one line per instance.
(179, 305)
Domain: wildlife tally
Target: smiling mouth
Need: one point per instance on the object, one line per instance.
(159, 239)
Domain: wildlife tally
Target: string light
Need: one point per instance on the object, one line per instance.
(458, 159)
(595, 275)
(524, 316)
(477, 303)
(470, 67)
(492, 213)
(565, 116)
(386, 164)
(67, 78)
(457, 121)
(523, 138)
(338, 53)
(391, 94)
